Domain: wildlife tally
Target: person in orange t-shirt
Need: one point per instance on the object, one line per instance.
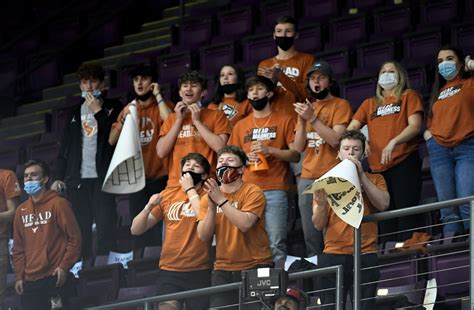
(152, 111)
(235, 213)
(185, 262)
(321, 121)
(393, 118)
(270, 135)
(9, 199)
(339, 236)
(192, 128)
(289, 61)
(450, 135)
(231, 97)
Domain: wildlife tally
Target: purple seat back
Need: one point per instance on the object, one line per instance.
(392, 21)
(448, 270)
(321, 10)
(438, 12)
(270, 10)
(194, 33)
(417, 78)
(339, 61)
(171, 67)
(256, 48)
(371, 56)
(309, 39)
(102, 281)
(9, 158)
(347, 31)
(235, 23)
(129, 293)
(463, 36)
(357, 90)
(213, 57)
(420, 47)
(364, 4)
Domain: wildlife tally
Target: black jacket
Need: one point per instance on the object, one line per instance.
(70, 154)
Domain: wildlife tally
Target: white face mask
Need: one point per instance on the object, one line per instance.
(388, 80)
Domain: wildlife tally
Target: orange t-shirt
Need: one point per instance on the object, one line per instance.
(236, 250)
(386, 121)
(453, 113)
(189, 140)
(275, 130)
(9, 189)
(182, 249)
(320, 156)
(149, 123)
(295, 68)
(339, 236)
(233, 110)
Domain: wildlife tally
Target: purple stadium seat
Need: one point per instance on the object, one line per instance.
(102, 281)
(364, 5)
(46, 72)
(438, 12)
(420, 47)
(10, 158)
(211, 90)
(123, 211)
(256, 48)
(63, 32)
(309, 39)
(462, 35)
(391, 21)
(130, 293)
(320, 11)
(418, 79)
(152, 251)
(356, 90)
(212, 57)
(194, 33)
(106, 35)
(347, 31)
(397, 269)
(370, 56)
(100, 260)
(270, 10)
(234, 24)
(452, 274)
(413, 292)
(142, 271)
(9, 69)
(8, 105)
(339, 60)
(170, 67)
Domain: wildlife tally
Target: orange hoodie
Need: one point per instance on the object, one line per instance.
(46, 236)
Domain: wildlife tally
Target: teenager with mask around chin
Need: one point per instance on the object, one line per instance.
(450, 134)
(322, 118)
(393, 118)
(231, 97)
(152, 110)
(269, 135)
(234, 212)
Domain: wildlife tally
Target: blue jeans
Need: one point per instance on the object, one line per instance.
(452, 169)
(276, 216)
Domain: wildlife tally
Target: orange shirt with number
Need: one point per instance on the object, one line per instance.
(319, 155)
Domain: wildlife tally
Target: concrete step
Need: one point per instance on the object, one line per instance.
(41, 106)
(23, 129)
(147, 35)
(71, 78)
(61, 90)
(176, 10)
(22, 119)
(165, 22)
(139, 45)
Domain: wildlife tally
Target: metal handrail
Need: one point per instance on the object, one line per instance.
(406, 212)
(230, 287)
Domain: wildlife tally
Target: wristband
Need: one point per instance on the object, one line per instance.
(161, 100)
(223, 203)
(187, 190)
(193, 197)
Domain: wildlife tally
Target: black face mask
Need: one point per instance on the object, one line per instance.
(284, 42)
(283, 308)
(145, 97)
(229, 88)
(319, 95)
(195, 176)
(259, 104)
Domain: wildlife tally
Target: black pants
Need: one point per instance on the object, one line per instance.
(404, 187)
(137, 202)
(37, 294)
(347, 262)
(89, 202)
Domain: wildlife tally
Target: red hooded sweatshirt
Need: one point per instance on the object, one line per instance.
(46, 236)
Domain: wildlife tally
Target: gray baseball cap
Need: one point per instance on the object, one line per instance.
(321, 66)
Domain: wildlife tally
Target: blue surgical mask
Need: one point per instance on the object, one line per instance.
(388, 80)
(448, 69)
(33, 187)
(96, 93)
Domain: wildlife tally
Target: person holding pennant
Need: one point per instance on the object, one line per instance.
(338, 234)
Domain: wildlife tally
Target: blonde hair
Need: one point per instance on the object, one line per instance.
(403, 82)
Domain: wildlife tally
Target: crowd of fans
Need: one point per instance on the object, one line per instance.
(222, 171)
